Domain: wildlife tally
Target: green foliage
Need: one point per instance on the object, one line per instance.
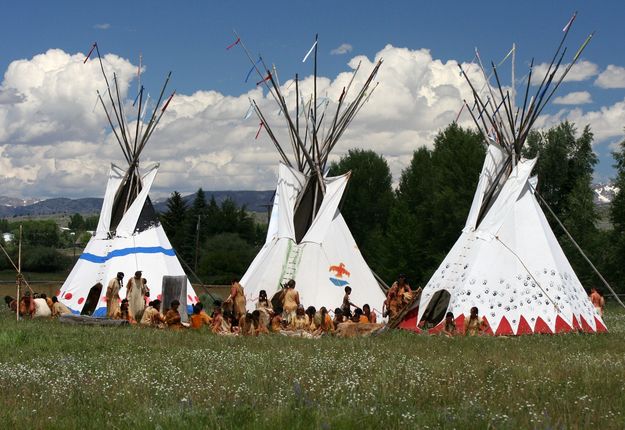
(433, 200)
(4, 226)
(617, 216)
(38, 232)
(43, 259)
(173, 220)
(91, 222)
(76, 223)
(225, 256)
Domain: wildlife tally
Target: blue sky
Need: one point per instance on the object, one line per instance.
(190, 37)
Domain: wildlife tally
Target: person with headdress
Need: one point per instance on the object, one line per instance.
(135, 293)
(112, 295)
(237, 298)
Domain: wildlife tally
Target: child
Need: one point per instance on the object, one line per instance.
(346, 306)
(449, 328)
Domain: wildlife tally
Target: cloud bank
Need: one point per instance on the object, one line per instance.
(53, 142)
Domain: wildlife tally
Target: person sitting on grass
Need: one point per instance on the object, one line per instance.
(323, 323)
(276, 322)
(172, 317)
(259, 326)
(231, 322)
(473, 325)
(449, 326)
(371, 316)
(246, 325)
(124, 312)
(59, 308)
(152, 316)
(346, 306)
(360, 317)
(218, 321)
(338, 318)
(11, 303)
(199, 317)
(310, 313)
(300, 321)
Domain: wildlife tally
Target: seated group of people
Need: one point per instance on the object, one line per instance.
(398, 297)
(37, 305)
(284, 313)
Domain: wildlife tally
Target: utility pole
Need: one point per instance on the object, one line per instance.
(197, 241)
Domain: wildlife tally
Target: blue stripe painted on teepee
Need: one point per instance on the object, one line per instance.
(127, 251)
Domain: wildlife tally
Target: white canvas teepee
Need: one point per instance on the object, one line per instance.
(308, 240)
(511, 267)
(507, 261)
(139, 243)
(129, 236)
(325, 261)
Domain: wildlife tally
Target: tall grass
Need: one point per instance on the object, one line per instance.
(58, 376)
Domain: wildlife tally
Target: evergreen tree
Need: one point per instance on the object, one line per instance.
(76, 223)
(617, 217)
(174, 218)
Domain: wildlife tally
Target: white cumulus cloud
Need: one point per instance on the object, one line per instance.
(581, 71)
(52, 142)
(343, 48)
(574, 98)
(612, 77)
(103, 26)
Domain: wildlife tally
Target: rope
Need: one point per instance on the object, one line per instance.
(529, 273)
(577, 246)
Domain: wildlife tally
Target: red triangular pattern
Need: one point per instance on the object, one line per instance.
(585, 326)
(576, 325)
(524, 327)
(562, 326)
(410, 321)
(460, 324)
(541, 327)
(438, 328)
(487, 328)
(601, 328)
(504, 328)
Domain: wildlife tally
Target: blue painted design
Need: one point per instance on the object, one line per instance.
(339, 282)
(127, 251)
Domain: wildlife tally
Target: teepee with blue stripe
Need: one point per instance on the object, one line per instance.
(129, 236)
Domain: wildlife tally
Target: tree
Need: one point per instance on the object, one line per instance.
(367, 202)
(617, 216)
(4, 226)
(433, 200)
(76, 222)
(40, 232)
(226, 256)
(174, 218)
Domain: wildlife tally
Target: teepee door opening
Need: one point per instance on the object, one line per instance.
(435, 312)
(92, 300)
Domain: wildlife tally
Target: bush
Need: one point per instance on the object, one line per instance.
(43, 259)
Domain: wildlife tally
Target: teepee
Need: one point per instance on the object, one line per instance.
(507, 261)
(307, 238)
(129, 236)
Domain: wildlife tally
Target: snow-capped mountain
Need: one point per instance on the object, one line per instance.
(604, 193)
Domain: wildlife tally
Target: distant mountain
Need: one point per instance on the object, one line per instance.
(254, 201)
(604, 193)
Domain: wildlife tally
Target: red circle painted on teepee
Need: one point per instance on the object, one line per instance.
(80, 300)
(68, 296)
(160, 297)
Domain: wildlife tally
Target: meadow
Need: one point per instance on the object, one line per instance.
(58, 376)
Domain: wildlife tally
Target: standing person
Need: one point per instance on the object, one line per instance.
(597, 301)
(346, 306)
(473, 324)
(135, 293)
(112, 295)
(237, 298)
(291, 301)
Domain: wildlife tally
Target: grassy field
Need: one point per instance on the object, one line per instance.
(58, 376)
